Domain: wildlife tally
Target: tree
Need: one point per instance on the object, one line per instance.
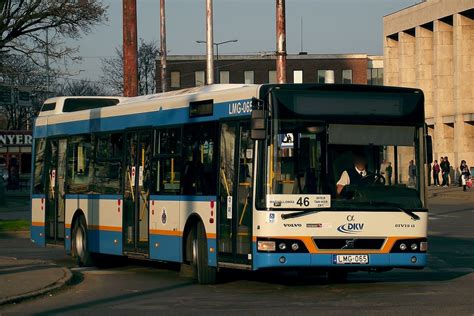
(112, 69)
(23, 24)
(18, 72)
(81, 87)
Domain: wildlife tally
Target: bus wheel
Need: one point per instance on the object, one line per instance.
(205, 273)
(79, 243)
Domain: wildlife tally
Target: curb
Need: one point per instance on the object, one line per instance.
(66, 278)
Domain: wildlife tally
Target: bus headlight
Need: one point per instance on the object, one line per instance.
(423, 246)
(414, 247)
(403, 247)
(295, 247)
(265, 245)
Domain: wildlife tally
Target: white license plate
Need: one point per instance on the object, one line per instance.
(350, 259)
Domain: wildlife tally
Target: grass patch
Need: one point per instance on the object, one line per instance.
(14, 225)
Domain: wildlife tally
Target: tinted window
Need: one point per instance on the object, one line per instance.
(48, 106)
(73, 105)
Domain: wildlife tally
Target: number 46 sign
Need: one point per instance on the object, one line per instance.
(292, 201)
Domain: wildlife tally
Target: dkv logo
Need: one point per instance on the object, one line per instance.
(351, 228)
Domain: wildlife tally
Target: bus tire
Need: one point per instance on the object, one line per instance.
(79, 243)
(205, 273)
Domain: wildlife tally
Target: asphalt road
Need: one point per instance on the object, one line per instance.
(444, 288)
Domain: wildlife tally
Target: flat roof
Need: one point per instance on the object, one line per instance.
(272, 56)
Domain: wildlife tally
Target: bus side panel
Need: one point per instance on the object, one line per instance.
(103, 215)
(37, 230)
(204, 206)
(165, 235)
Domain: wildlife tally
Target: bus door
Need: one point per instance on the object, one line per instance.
(139, 147)
(54, 179)
(235, 194)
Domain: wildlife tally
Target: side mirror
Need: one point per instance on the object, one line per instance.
(258, 123)
(429, 149)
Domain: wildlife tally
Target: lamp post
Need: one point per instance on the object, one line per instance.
(217, 54)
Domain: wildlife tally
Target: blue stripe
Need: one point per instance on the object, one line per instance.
(38, 235)
(166, 248)
(199, 198)
(67, 240)
(93, 196)
(102, 241)
(212, 256)
(38, 196)
(391, 260)
(158, 118)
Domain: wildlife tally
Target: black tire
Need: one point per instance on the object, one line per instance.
(79, 243)
(205, 273)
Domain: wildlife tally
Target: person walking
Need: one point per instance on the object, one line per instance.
(436, 170)
(412, 174)
(388, 172)
(445, 168)
(465, 173)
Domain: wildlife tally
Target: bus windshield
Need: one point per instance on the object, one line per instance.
(359, 166)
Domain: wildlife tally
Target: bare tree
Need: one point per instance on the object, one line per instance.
(112, 69)
(23, 24)
(81, 87)
(17, 72)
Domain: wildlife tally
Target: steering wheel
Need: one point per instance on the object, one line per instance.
(372, 178)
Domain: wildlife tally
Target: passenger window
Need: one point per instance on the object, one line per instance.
(199, 170)
(168, 161)
(79, 165)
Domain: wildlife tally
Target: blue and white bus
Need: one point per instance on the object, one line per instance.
(235, 176)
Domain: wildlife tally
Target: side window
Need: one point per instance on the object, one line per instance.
(108, 163)
(168, 161)
(199, 170)
(80, 169)
(40, 148)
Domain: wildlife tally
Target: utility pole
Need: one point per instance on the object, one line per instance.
(130, 58)
(47, 64)
(209, 43)
(281, 41)
(163, 45)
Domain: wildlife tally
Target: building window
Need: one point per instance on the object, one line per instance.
(199, 78)
(272, 76)
(321, 76)
(375, 76)
(249, 77)
(175, 79)
(224, 77)
(298, 76)
(347, 76)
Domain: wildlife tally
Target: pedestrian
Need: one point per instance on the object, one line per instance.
(436, 170)
(441, 166)
(445, 168)
(412, 174)
(388, 172)
(465, 174)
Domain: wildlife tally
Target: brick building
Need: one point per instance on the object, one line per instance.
(186, 71)
(430, 46)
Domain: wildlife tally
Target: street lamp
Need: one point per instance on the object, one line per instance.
(217, 54)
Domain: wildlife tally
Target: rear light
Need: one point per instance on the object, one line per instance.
(264, 245)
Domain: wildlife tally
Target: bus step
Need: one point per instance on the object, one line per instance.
(231, 265)
(136, 255)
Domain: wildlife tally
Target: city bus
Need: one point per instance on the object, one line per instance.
(236, 177)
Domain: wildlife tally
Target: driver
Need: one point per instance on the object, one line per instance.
(353, 175)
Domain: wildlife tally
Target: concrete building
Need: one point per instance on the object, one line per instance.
(186, 71)
(430, 46)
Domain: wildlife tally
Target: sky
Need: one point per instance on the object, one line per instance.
(329, 27)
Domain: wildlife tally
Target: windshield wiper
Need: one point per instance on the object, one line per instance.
(398, 207)
(306, 212)
(300, 213)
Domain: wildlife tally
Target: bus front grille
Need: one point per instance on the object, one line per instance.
(349, 243)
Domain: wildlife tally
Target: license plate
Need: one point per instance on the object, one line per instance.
(350, 259)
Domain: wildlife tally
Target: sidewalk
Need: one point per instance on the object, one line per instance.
(451, 192)
(22, 279)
